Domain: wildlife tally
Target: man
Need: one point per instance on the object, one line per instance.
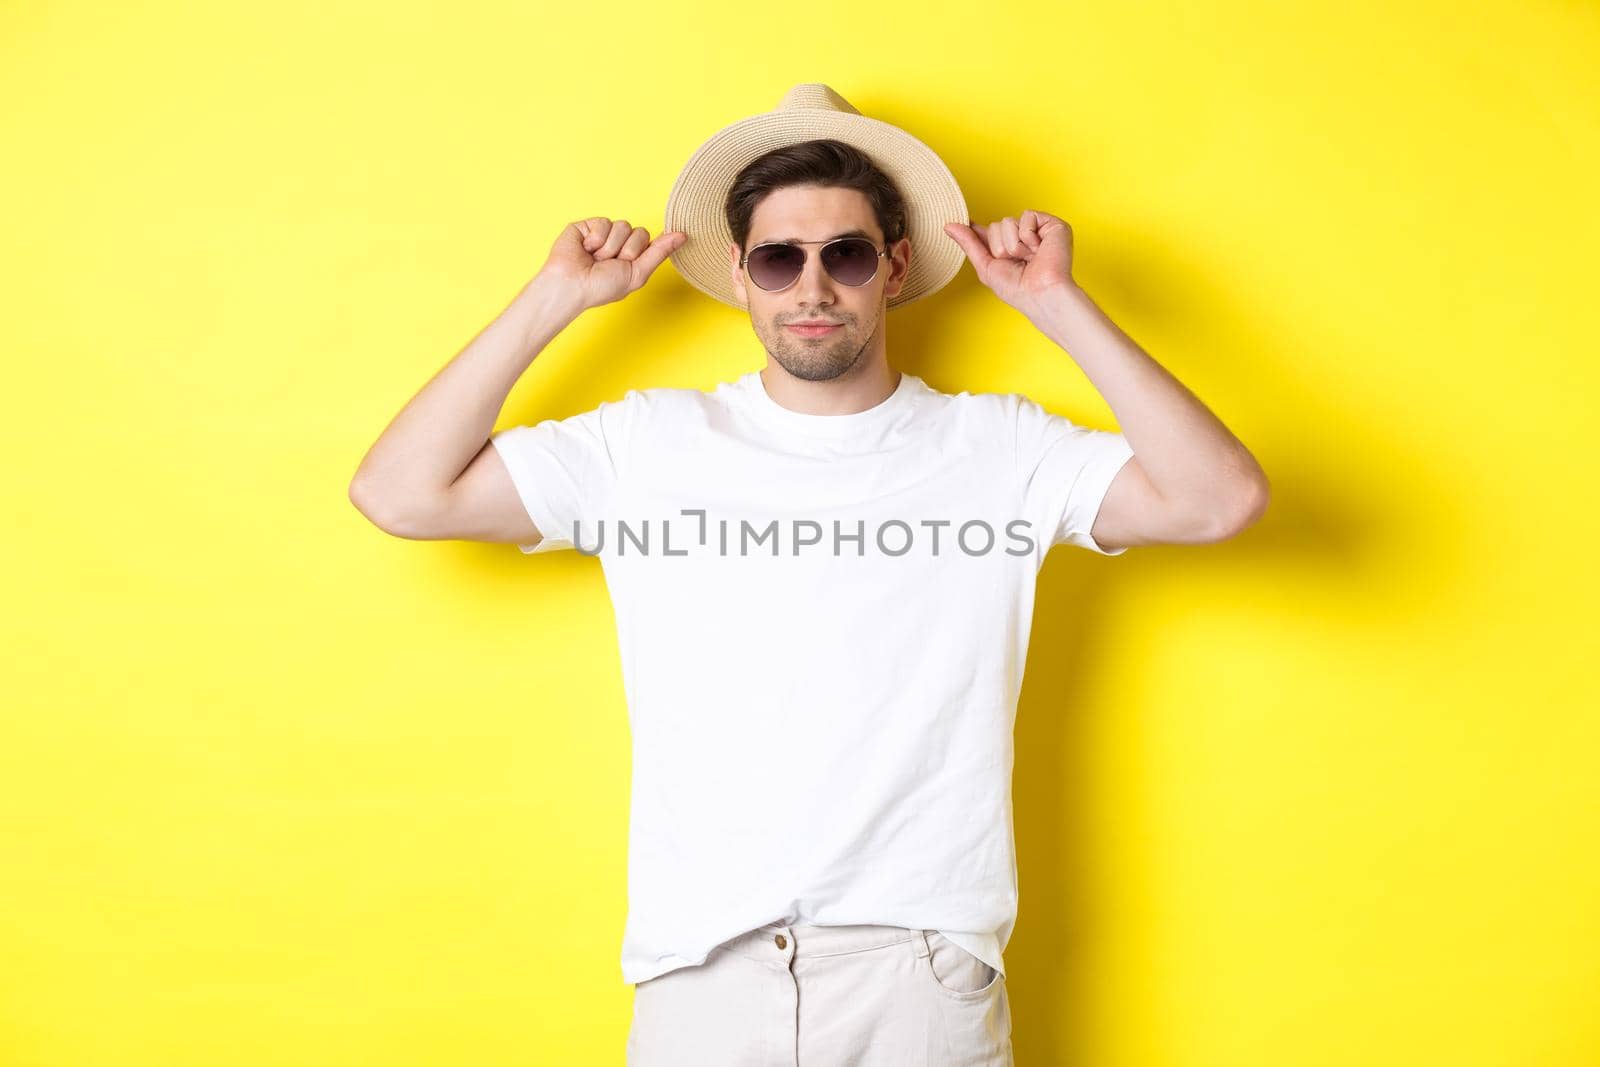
(823, 577)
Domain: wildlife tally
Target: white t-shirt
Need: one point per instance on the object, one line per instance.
(822, 624)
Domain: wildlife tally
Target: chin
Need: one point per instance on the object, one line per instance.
(816, 367)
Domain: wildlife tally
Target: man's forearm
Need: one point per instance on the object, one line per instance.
(1191, 458)
(437, 434)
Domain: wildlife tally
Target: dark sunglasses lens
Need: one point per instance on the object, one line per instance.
(774, 266)
(852, 261)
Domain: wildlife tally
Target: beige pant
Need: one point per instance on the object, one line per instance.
(825, 996)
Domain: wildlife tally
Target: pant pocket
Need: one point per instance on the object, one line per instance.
(954, 970)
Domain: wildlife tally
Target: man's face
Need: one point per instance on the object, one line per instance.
(813, 214)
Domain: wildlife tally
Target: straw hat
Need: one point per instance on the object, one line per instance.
(696, 205)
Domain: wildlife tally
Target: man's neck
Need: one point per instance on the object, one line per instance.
(861, 388)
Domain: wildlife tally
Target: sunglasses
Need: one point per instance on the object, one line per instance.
(849, 261)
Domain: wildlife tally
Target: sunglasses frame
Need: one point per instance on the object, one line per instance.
(881, 254)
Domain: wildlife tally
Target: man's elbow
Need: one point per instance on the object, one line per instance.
(366, 502)
(1245, 512)
(382, 510)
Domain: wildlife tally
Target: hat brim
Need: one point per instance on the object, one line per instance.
(697, 204)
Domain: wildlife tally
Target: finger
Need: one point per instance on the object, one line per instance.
(595, 229)
(1028, 229)
(652, 256)
(636, 242)
(997, 246)
(620, 230)
(1009, 239)
(971, 242)
(1049, 223)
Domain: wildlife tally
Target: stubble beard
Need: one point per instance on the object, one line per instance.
(812, 361)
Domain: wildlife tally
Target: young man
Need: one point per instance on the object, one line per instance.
(823, 577)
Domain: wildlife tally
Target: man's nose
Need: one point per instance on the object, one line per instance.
(815, 285)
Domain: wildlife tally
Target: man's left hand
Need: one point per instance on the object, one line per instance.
(1022, 258)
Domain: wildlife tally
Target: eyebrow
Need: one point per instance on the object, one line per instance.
(796, 240)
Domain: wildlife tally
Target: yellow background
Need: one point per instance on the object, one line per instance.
(277, 788)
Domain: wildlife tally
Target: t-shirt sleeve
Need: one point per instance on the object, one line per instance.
(565, 470)
(1064, 471)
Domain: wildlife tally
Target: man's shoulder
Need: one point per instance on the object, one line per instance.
(978, 404)
(644, 412)
(668, 398)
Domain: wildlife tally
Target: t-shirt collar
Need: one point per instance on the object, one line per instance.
(772, 412)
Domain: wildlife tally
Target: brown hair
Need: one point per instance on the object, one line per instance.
(825, 162)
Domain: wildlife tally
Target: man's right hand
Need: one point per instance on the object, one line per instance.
(598, 261)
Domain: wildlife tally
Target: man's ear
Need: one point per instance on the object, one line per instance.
(737, 274)
(899, 266)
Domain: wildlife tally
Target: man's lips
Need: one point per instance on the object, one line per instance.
(817, 330)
